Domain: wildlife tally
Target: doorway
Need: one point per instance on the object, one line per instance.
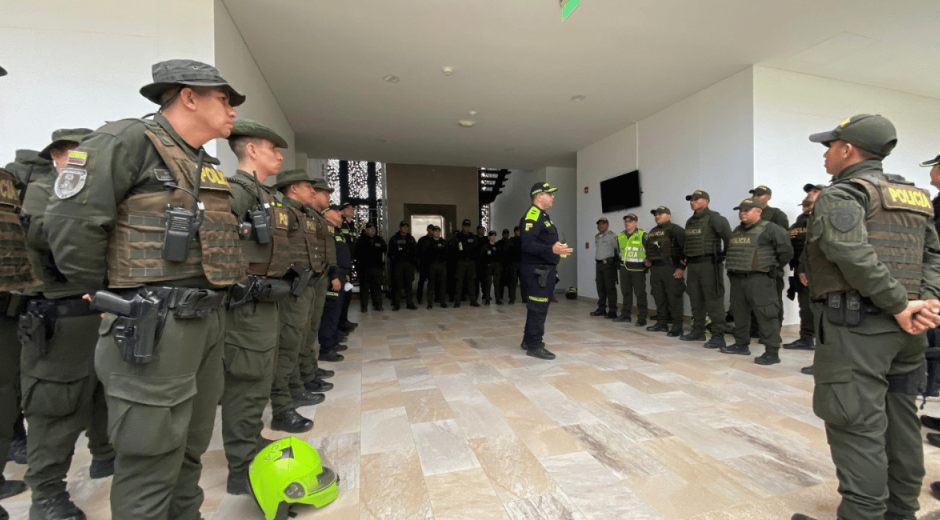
(446, 213)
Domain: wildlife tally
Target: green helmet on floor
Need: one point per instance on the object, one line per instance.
(290, 471)
(572, 293)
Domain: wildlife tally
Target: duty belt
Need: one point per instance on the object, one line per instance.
(657, 263)
(12, 304)
(607, 260)
(749, 274)
(65, 307)
(700, 259)
(173, 297)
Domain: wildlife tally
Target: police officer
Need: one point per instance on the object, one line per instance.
(605, 269)
(466, 246)
(808, 310)
(871, 256)
(28, 166)
(58, 367)
(422, 269)
(632, 244)
(111, 203)
(435, 258)
(492, 260)
(350, 233)
(370, 265)
(706, 240)
(763, 194)
(664, 257)
(541, 252)
(757, 249)
(402, 255)
(513, 258)
(250, 352)
(328, 332)
(503, 246)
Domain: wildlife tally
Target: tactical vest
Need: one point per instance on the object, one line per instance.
(745, 254)
(135, 247)
(631, 249)
(896, 218)
(299, 236)
(15, 271)
(700, 239)
(660, 244)
(798, 241)
(317, 233)
(271, 260)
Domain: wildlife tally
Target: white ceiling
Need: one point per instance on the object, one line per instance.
(517, 65)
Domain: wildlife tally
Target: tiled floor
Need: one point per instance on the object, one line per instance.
(438, 414)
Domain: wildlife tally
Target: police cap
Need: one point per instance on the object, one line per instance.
(868, 132)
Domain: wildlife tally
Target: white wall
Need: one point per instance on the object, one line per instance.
(512, 203)
(564, 215)
(234, 61)
(81, 64)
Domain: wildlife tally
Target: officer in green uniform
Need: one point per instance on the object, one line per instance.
(872, 257)
(706, 240)
(762, 194)
(62, 395)
(28, 166)
(491, 257)
(808, 310)
(250, 351)
(756, 251)
(667, 272)
(632, 243)
(133, 194)
(294, 312)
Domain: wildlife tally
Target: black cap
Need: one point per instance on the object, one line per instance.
(661, 209)
(931, 162)
(481, 226)
(466, 222)
(698, 194)
(761, 190)
(542, 187)
(491, 234)
(330, 207)
(808, 187)
(370, 224)
(748, 204)
(505, 231)
(868, 132)
(403, 224)
(515, 229)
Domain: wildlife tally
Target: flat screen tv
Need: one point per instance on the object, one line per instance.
(621, 192)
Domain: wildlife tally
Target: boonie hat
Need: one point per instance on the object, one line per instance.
(698, 194)
(808, 187)
(190, 73)
(661, 209)
(249, 128)
(761, 190)
(63, 136)
(748, 204)
(630, 216)
(602, 219)
(286, 178)
(869, 132)
(542, 187)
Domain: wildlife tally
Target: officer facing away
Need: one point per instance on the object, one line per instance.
(541, 252)
(872, 257)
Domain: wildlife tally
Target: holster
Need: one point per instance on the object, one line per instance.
(933, 373)
(12, 304)
(299, 279)
(794, 287)
(139, 325)
(543, 276)
(258, 288)
(37, 325)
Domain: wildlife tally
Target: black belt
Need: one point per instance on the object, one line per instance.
(657, 263)
(66, 307)
(206, 298)
(700, 259)
(605, 261)
(748, 274)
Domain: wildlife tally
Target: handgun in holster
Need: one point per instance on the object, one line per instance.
(243, 293)
(543, 276)
(300, 279)
(139, 325)
(37, 326)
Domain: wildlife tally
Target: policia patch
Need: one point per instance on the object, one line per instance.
(70, 181)
(845, 218)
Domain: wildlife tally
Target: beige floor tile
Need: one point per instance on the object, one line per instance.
(513, 470)
(550, 507)
(478, 418)
(542, 435)
(426, 405)
(612, 449)
(442, 447)
(334, 416)
(506, 397)
(392, 487)
(386, 430)
(576, 388)
(379, 396)
(464, 495)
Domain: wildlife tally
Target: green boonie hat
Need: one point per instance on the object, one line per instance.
(698, 194)
(191, 73)
(661, 209)
(286, 178)
(808, 187)
(29, 163)
(630, 216)
(748, 204)
(542, 187)
(249, 128)
(869, 132)
(931, 162)
(761, 190)
(63, 136)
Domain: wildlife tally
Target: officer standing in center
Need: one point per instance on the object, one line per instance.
(632, 243)
(466, 246)
(872, 257)
(541, 252)
(757, 250)
(112, 203)
(491, 258)
(605, 269)
(435, 257)
(706, 240)
(667, 272)
(402, 255)
(370, 265)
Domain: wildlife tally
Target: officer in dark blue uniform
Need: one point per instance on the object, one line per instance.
(541, 252)
(328, 333)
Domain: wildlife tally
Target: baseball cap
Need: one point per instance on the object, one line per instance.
(542, 187)
(931, 162)
(748, 204)
(370, 224)
(631, 216)
(345, 205)
(808, 187)
(761, 190)
(602, 219)
(190, 73)
(466, 222)
(404, 223)
(249, 128)
(698, 194)
(661, 209)
(515, 228)
(869, 132)
(330, 207)
(505, 231)
(491, 234)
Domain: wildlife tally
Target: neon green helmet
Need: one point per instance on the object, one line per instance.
(290, 471)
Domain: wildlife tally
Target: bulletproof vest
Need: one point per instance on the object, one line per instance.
(631, 249)
(466, 246)
(271, 259)
(660, 244)
(700, 239)
(745, 254)
(299, 236)
(896, 217)
(799, 240)
(135, 246)
(318, 234)
(15, 271)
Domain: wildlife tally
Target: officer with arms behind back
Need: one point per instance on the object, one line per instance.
(667, 272)
(144, 195)
(706, 240)
(872, 255)
(541, 252)
(370, 265)
(605, 270)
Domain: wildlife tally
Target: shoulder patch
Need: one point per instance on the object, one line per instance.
(533, 213)
(70, 181)
(845, 218)
(162, 174)
(76, 158)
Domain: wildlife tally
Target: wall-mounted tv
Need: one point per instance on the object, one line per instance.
(621, 192)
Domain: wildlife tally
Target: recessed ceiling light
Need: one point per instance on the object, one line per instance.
(472, 113)
(447, 71)
(391, 79)
(579, 97)
(466, 123)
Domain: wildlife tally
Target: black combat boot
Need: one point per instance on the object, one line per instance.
(736, 348)
(237, 483)
(324, 374)
(101, 468)
(291, 422)
(716, 342)
(318, 385)
(659, 327)
(308, 398)
(540, 353)
(767, 358)
(59, 507)
(801, 344)
(693, 336)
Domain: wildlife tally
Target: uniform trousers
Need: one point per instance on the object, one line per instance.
(605, 276)
(514, 280)
(328, 334)
(161, 415)
(756, 293)
(539, 297)
(706, 288)
(466, 279)
(249, 358)
(422, 279)
(62, 397)
(305, 370)
(437, 276)
(871, 424)
(293, 318)
(667, 293)
(9, 383)
(492, 276)
(808, 313)
(403, 275)
(633, 283)
(370, 284)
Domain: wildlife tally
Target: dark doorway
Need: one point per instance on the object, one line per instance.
(448, 211)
